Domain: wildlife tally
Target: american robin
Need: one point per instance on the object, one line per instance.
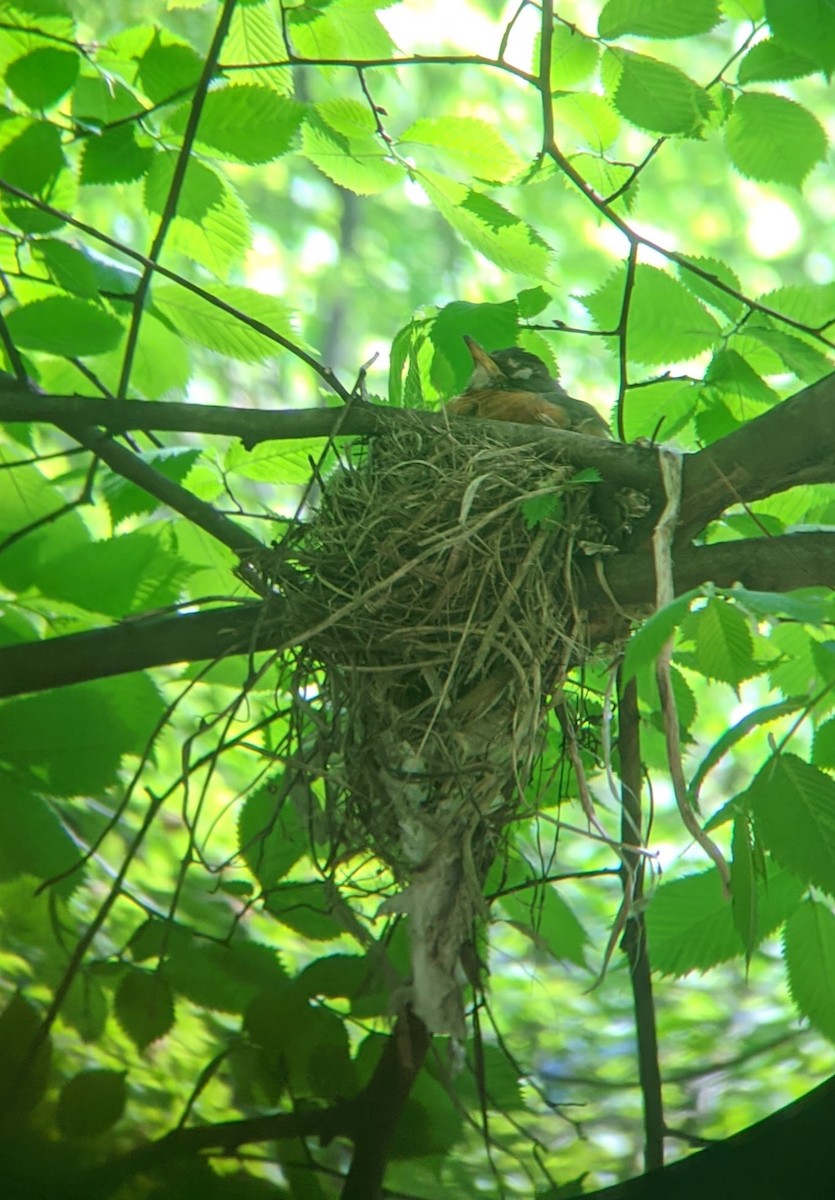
(514, 385)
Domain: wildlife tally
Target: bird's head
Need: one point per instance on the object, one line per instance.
(509, 368)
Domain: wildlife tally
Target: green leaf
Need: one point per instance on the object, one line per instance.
(68, 267)
(130, 573)
(64, 325)
(813, 303)
(246, 123)
(43, 76)
(359, 163)
(342, 29)
(573, 56)
(285, 462)
(271, 837)
(144, 1006)
(99, 101)
(126, 499)
(735, 376)
(647, 642)
(114, 156)
(590, 117)
(809, 949)
(489, 228)
(305, 907)
(654, 95)
(222, 978)
(729, 739)
(77, 735)
(34, 161)
(657, 18)
(774, 139)
(666, 323)
(349, 976)
(255, 37)
(743, 885)
(731, 306)
(690, 925)
(211, 225)
(770, 60)
(532, 301)
(807, 26)
(21, 1089)
(200, 322)
(91, 1102)
(467, 142)
(544, 917)
(32, 839)
(812, 606)
(793, 804)
(724, 646)
(493, 325)
(805, 361)
(823, 747)
(168, 67)
(544, 512)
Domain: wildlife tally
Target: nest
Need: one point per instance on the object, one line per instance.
(437, 581)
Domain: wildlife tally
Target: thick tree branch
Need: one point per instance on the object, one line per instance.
(765, 564)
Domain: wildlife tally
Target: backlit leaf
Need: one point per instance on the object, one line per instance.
(654, 95)
(64, 325)
(774, 139)
(467, 142)
(657, 18)
(43, 76)
(144, 1006)
(809, 947)
(793, 804)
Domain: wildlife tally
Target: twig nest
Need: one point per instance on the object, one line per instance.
(439, 582)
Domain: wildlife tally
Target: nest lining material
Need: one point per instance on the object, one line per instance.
(444, 618)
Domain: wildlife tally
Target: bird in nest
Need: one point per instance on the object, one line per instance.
(515, 385)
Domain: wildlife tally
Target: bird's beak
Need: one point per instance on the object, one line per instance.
(482, 359)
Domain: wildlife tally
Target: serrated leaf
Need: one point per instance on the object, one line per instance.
(666, 323)
(573, 56)
(91, 1102)
(657, 18)
(532, 301)
(493, 325)
(647, 642)
(734, 375)
(69, 268)
(64, 325)
(285, 462)
(823, 747)
(34, 161)
(807, 26)
(805, 361)
(33, 840)
(246, 123)
(774, 139)
(222, 978)
(168, 67)
(211, 225)
(350, 976)
(102, 101)
(114, 156)
(793, 804)
(753, 720)
(469, 143)
(811, 303)
(544, 917)
(20, 1090)
(724, 645)
(344, 29)
(360, 164)
(489, 228)
(544, 512)
(255, 37)
(654, 95)
(125, 499)
(743, 885)
(812, 606)
(200, 322)
(690, 924)
(43, 76)
(133, 572)
(709, 292)
(305, 907)
(144, 1006)
(771, 60)
(77, 735)
(590, 117)
(270, 835)
(809, 948)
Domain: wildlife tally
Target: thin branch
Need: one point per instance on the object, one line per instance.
(172, 199)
